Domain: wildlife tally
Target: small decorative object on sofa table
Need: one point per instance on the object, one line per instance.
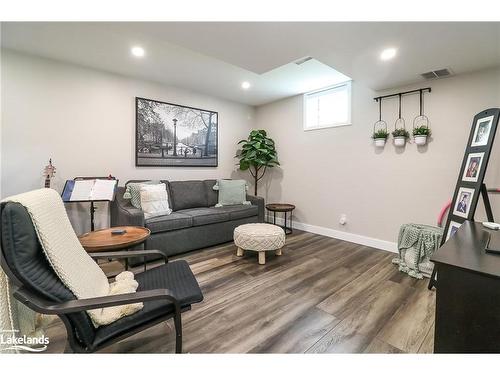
(285, 208)
(106, 240)
(259, 237)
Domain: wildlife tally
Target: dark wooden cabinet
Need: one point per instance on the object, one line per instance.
(467, 294)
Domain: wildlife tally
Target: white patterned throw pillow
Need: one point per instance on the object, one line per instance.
(154, 200)
(133, 192)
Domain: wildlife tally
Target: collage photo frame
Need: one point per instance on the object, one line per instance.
(470, 181)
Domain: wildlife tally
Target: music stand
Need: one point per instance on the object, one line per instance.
(91, 201)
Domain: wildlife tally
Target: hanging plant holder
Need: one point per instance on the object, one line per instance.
(421, 129)
(380, 132)
(400, 134)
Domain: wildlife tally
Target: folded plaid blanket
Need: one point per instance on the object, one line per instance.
(416, 244)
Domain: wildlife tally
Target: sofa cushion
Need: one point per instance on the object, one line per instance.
(212, 195)
(170, 222)
(187, 194)
(240, 211)
(204, 216)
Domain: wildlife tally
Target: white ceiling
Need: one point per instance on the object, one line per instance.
(214, 58)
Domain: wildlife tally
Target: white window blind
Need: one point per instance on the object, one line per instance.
(329, 107)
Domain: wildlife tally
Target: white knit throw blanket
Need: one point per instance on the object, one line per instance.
(74, 267)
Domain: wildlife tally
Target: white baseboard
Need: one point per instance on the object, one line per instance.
(344, 236)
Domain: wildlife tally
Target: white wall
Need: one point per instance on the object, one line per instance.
(330, 172)
(85, 121)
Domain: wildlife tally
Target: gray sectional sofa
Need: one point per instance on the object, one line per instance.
(194, 223)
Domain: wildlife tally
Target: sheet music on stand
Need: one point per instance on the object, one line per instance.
(90, 189)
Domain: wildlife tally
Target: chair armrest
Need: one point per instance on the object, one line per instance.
(37, 304)
(127, 254)
(259, 202)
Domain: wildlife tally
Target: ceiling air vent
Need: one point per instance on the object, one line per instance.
(440, 73)
(303, 60)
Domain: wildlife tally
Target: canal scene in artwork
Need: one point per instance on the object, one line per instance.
(170, 135)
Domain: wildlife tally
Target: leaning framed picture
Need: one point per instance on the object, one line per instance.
(482, 131)
(452, 229)
(473, 167)
(173, 135)
(463, 202)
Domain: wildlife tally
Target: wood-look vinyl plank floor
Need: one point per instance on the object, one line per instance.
(322, 295)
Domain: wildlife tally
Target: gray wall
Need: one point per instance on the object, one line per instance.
(337, 171)
(85, 121)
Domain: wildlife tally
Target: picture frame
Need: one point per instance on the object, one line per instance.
(482, 131)
(175, 135)
(472, 168)
(452, 228)
(463, 202)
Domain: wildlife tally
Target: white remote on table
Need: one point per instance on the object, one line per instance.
(490, 225)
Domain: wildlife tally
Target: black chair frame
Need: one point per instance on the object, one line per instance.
(45, 306)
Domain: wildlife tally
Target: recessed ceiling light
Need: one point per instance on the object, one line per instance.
(245, 85)
(137, 51)
(388, 54)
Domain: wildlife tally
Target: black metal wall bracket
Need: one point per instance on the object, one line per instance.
(424, 89)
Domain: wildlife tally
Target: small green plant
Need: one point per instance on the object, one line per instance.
(381, 133)
(422, 130)
(401, 132)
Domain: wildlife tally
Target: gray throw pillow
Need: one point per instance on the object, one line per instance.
(231, 192)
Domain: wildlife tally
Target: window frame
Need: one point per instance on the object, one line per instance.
(348, 85)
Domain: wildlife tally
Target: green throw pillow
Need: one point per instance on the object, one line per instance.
(231, 192)
(133, 192)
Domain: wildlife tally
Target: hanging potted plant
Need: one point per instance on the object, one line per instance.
(380, 132)
(420, 134)
(379, 137)
(421, 128)
(400, 136)
(400, 133)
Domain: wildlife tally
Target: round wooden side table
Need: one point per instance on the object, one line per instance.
(103, 239)
(285, 208)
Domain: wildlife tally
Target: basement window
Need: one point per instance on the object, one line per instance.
(328, 108)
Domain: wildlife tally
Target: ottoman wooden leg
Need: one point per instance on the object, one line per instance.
(262, 257)
(239, 252)
(278, 252)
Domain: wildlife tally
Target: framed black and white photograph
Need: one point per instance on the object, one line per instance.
(452, 229)
(482, 131)
(172, 135)
(473, 167)
(463, 202)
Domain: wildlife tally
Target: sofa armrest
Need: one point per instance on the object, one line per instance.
(259, 202)
(123, 213)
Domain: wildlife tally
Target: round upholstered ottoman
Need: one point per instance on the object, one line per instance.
(259, 237)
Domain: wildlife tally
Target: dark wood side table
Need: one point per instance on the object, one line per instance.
(467, 293)
(103, 240)
(285, 208)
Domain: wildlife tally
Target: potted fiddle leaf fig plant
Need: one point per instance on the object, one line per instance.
(400, 136)
(379, 137)
(258, 152)
(420, 135)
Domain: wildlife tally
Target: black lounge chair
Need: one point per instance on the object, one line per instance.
(166, 291)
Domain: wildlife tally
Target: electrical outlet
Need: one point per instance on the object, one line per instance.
(343, 219)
